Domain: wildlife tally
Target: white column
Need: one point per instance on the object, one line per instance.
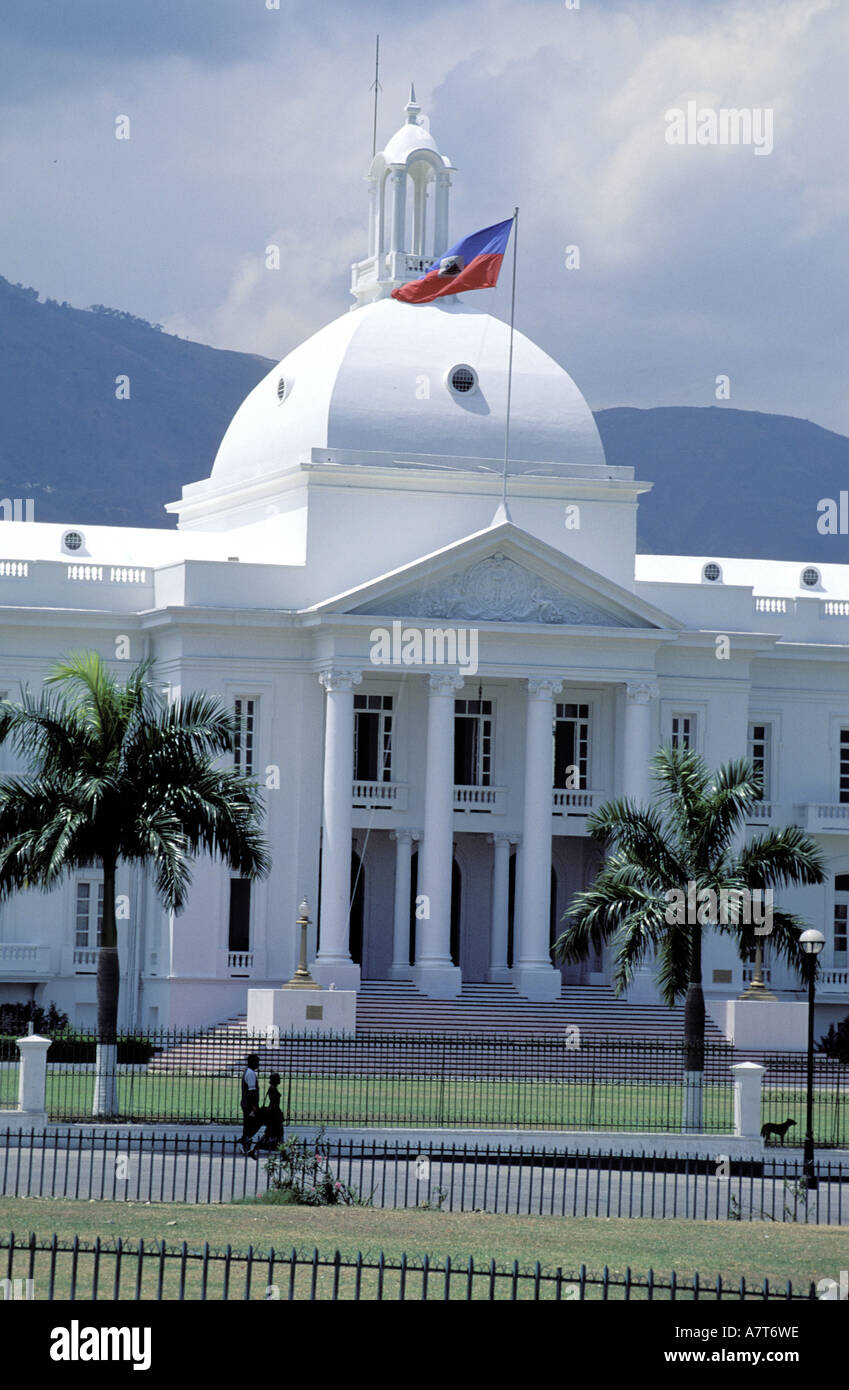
(372, 217)
(498, 972)
(533, 974)
(419, 215)
(398, 185)
(639, 738)
(640, 696)
(440, 215)
(333, 963)
(434, 973)
(400, 967)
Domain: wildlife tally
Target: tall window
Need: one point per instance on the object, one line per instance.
(472, 743)
(239, 934)
(844, 765)
(683, 731)
(372, 738)
(759, 753)
(244, 749)
(571, 746)
(841, 918)
(88, 920)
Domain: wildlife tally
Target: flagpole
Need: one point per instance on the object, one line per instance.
(510, 369)
(375, 87)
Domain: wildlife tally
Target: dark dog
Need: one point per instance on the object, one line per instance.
(767, 1130)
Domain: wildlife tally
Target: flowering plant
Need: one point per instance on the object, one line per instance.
(299, 1168)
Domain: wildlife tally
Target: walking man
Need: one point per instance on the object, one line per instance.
(250, 1102)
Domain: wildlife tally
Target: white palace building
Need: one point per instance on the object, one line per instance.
(432, 692)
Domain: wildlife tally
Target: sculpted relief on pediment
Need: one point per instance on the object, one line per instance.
(496, 589)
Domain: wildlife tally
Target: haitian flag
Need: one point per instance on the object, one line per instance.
(472, 264)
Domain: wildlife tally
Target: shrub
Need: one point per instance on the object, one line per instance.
(16, 1018)
(299, 1172)
(836, 1042)
(70, 1046)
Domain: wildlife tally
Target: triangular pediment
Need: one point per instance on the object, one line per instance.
(500, 575)
(495, 589)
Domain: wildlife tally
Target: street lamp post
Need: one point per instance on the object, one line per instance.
(812, 943)
(302, 979)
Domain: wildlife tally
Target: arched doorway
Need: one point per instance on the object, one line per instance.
(414, 890)
(456, 907)
(358, 896)
(456, 910)
(511, 908)
(553, 918)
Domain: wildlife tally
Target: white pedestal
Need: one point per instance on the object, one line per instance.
(541, 984)
(748, 1083)
(762, 1024)
(437, 981)
(643, 988)
(302, 1011)
(344, 975)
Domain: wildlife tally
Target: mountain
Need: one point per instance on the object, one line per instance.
(68, 441)
(726, 482)
(730, 482)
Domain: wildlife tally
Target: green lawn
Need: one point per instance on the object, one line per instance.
(752, 1250)
(409, 1101)
(426, 1101)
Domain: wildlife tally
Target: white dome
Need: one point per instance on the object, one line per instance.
(374, 385)
(408, 138)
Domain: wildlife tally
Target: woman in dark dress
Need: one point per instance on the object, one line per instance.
(270, 1116)
(272, 1112)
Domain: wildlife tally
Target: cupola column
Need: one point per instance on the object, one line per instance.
(373, 218)
(440, 215)
(398, 187)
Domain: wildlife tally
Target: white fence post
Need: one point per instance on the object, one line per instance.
(33, 1081)
(748, 1082)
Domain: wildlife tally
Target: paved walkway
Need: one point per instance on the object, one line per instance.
(116, 1166)
(541, 1141)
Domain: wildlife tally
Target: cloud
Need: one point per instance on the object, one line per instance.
(252, 127)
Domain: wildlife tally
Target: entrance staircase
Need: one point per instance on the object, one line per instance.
(388, 1006)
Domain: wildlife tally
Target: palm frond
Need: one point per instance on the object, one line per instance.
(778, 857)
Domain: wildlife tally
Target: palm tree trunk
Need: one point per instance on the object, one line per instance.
(108, 981)
(694, 1040)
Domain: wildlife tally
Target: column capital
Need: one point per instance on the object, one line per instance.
(444, 683)
(405, 834)
(641, 692)
(337, 678)
(504, 837)
(543, 687)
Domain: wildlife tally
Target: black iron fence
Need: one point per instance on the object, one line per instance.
(469, 1081)
(139, 1167)
(76, 1271)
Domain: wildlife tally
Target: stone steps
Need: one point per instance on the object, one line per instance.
(397, 1007)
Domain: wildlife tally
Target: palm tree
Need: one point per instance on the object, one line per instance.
(689, 841)
(117, 776)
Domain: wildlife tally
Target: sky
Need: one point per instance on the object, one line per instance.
(251, 125)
